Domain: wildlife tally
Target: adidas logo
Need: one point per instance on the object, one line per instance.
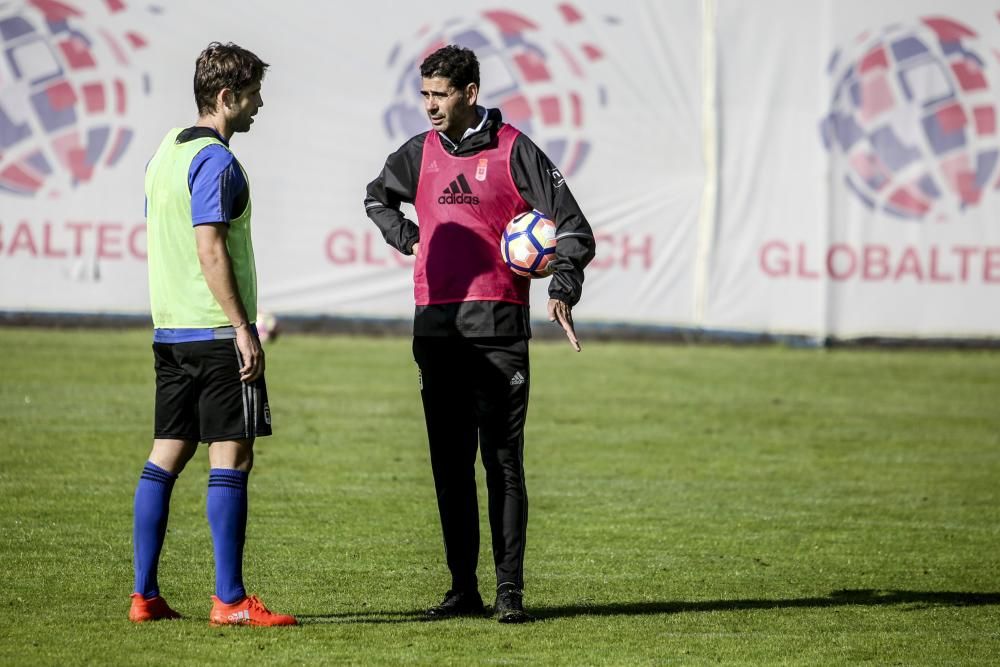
(242, 616)
(458, 192)
(517, 379)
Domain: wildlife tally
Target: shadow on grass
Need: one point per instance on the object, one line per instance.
(373, 617)
(842, 598)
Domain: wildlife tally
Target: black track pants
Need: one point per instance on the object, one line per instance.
(475, 394)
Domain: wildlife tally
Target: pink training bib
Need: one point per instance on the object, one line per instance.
(463, 205)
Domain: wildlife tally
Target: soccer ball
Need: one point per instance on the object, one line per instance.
(267, 326)
(528, 245)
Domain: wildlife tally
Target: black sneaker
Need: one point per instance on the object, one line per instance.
(509, 605)
(458, 603)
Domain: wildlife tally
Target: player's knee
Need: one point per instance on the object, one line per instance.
(233, 454)
(172, 455)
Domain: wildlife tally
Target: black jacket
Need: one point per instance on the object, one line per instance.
(542, 186)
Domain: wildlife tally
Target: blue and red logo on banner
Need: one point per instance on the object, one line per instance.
(538, 75)
(914, 114)
(67, 83)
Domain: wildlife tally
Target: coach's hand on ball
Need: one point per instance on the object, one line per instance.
(562, 312)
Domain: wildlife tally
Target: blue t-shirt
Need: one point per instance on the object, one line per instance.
(217, 185)
(215, 180)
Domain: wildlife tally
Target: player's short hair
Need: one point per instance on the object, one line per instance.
(455, 63)
(224, 66)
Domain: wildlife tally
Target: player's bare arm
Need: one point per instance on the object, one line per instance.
(218, 271)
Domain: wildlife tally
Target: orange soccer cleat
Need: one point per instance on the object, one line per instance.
(153, 609)
(248, 611)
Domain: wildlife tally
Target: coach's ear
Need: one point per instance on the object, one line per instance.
(472, 94)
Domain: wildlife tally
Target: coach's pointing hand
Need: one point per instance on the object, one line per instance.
(563, 313)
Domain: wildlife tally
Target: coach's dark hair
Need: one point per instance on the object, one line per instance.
(455, 63)
(224, 66)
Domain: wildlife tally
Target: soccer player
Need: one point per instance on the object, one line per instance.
(208, 359)
(467, 178)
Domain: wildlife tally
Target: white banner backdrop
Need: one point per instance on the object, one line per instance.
(746, 166)
(858, 185)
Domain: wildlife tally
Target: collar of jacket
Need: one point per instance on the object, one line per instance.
(478, 141)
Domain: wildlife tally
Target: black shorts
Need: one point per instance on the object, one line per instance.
(199, 395)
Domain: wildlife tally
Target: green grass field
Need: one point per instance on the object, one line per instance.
(689, 505)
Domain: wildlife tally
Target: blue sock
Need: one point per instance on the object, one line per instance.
(227, 517)
(152, 506)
